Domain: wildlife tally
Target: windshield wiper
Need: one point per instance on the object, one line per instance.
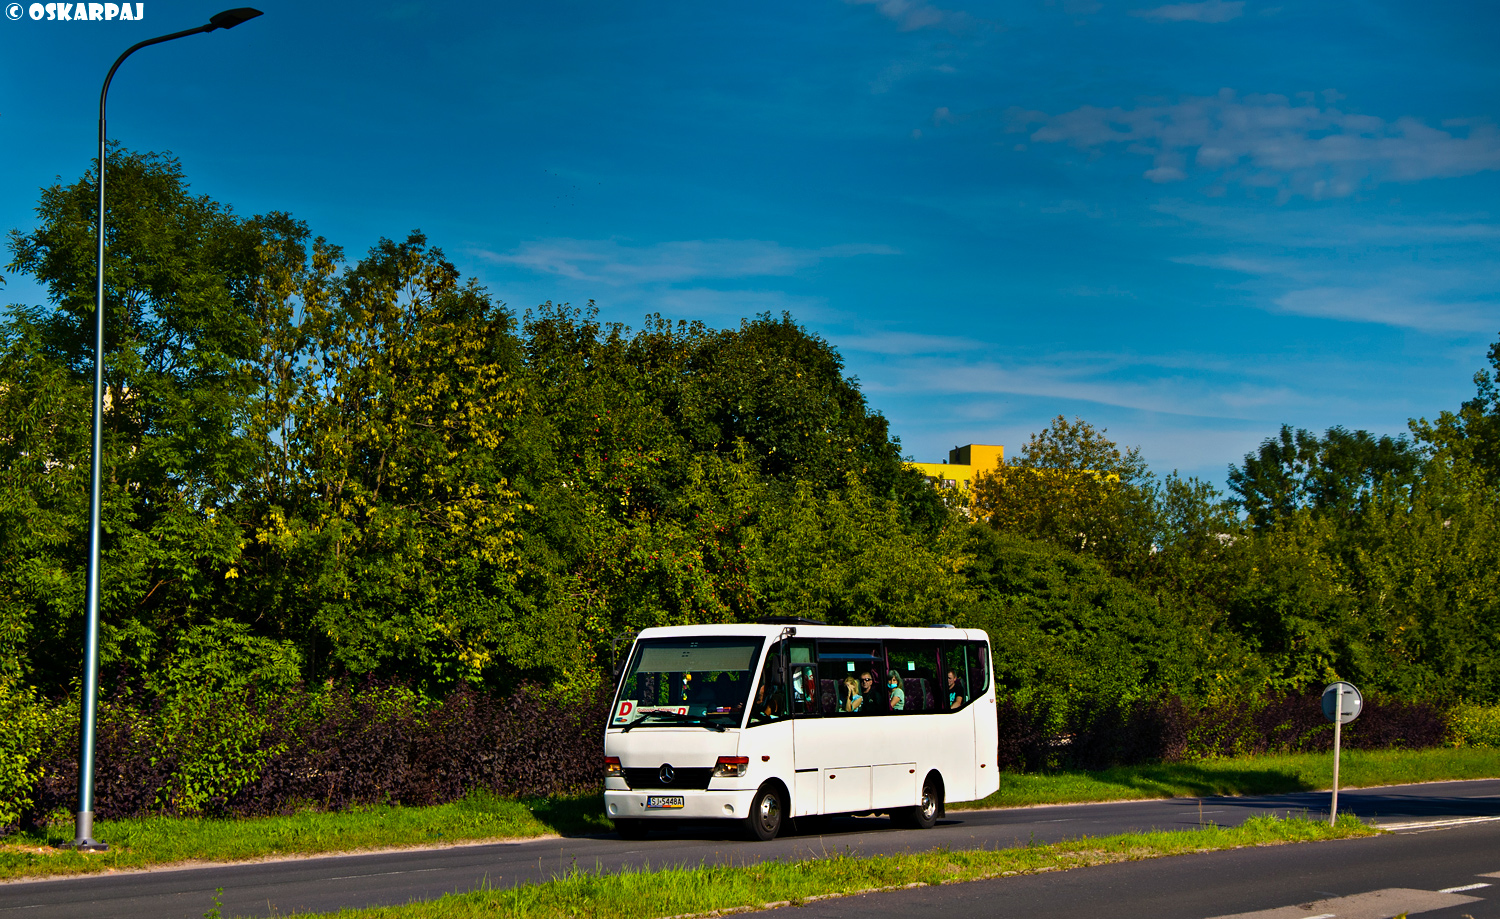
(690, 720)
(637, 721)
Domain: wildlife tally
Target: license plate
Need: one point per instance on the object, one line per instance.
(664, 801)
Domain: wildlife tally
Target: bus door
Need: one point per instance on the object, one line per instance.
(838, 742)
(767, 738)
(986, 730)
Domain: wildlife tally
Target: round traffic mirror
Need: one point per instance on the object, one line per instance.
(1342, 702)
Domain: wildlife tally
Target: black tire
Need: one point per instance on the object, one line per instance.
(632, 829)
(924, 815)
(767, 813)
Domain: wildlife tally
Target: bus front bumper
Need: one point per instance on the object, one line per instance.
(696, 805)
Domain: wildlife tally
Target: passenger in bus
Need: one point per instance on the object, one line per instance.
(804, 688)
(853, 698)
(897, 694)
(768, 703)
(870, 691)
(955, 691)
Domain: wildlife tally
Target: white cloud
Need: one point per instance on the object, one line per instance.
(726, 307)
(1160, 385)
(1306, 149)
(1334, 231)
(1207, 11)
(907, 343)
(911, 15)
(1404, 309)
(610, 261)
(1440, 300)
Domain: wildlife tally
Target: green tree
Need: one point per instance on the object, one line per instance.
(849, 559)
(1073, 486)
(1473, 432)
(180, 333)
(1069, 634)
(1336, 473)
(395, 536)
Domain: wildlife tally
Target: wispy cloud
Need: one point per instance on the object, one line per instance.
(908, 343)
(729, 306)
(611, 261)
(1434, 300)
(1266, 141)
(1207, 11)
(1335, 231)
(911, 15)
(1164, 385)
(1412, 309)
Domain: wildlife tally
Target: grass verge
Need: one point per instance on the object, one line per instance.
(151, 841)
(647, 894)
(1258, 775)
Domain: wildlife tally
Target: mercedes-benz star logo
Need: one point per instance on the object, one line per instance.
(665, 774)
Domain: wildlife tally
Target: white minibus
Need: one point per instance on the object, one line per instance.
(783, 719)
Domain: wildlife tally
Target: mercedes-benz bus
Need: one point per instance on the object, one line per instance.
(784, 719)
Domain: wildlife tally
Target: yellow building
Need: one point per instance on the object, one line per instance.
(964, 464)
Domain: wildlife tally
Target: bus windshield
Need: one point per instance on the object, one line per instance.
(701, 682)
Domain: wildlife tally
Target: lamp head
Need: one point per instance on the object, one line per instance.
(231, 18)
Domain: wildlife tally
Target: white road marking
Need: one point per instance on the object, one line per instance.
(1463, 888)
(381, 874)
(1391, 901)
(1435, 824)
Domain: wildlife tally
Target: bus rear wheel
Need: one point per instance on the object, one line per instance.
(767, 813)
(924, 815)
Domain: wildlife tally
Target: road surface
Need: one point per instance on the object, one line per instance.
(329, 883)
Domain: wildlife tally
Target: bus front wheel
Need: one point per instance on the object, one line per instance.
(767, 813)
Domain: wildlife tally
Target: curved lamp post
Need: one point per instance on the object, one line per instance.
(84, 827)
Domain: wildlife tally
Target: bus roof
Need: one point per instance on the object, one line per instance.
(772, 630)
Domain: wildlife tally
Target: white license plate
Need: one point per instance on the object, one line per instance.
(664, 801)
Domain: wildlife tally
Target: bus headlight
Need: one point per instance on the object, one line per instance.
(731, 767)
(612, 766)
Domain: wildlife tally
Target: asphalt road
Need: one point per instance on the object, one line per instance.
(1438, 873)
(328, 883)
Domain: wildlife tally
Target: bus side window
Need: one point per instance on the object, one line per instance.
(769, 702)
(847, 674)
(911, 676)
(806, 700)
(953, 682)
(979, 668)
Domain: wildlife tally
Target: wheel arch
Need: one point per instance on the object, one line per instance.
(786, 793)
(936, 777)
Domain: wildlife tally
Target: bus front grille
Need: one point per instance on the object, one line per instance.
(647, 779)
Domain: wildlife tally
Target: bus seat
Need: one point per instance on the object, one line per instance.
(829, 695)
(919, 696)
(929, 698)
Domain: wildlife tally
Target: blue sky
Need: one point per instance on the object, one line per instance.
(1188, 223)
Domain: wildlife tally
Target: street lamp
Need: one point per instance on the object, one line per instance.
(84, 827)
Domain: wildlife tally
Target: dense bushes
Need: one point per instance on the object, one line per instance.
(1165, 729)
(254, 753)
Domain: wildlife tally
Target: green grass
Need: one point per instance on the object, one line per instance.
(646, 894)
(1243, 776)
(152, 841)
